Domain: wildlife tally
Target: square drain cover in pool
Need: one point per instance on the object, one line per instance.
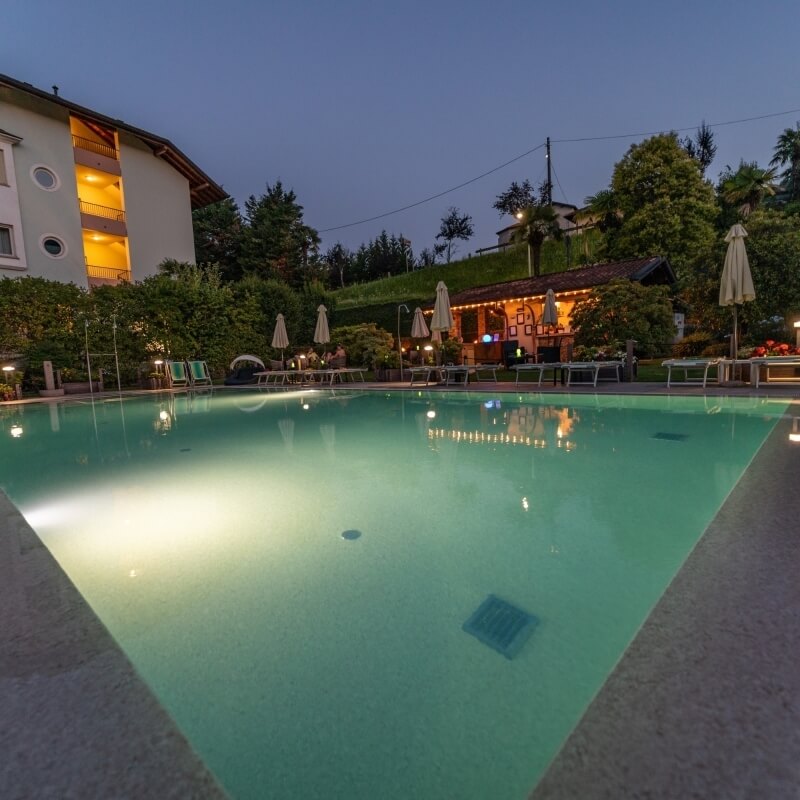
(500, 625)
(671, 437)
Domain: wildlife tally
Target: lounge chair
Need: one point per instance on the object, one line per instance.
(176, 374)
(198, 373)
(243, 375)
(699, 367)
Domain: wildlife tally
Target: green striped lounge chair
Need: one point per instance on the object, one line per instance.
(176, 373)
(198, 373)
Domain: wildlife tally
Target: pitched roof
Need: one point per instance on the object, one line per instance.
(202, 189)
(655, 269)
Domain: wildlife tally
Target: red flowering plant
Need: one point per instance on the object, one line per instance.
(773, 348)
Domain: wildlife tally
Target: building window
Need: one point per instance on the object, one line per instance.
(53, 246)
(3, 175)
(45, 177)
(6, 241)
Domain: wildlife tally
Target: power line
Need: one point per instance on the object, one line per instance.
(559, 141)
(677, 130)
(434, 196)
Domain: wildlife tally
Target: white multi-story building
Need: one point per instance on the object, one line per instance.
(88, 199)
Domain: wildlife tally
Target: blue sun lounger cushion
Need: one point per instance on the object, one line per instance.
(501, 626)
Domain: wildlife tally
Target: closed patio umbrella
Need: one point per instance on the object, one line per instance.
(419, 329)
(442, 316)
(321, 333)
(280, 339)
(550, 313)
(736, 286)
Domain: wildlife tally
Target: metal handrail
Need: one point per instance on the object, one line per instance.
(95, 147)
(101, 211)
(109, 273)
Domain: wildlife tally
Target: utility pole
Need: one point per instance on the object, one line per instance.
(549, 174)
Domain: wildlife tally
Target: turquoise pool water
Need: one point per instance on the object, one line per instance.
(206, 532)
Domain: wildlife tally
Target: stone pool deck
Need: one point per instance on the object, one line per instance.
(705, 702)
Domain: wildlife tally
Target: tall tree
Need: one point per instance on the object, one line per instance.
(218, 237)
(515, 198)
(787, 151)
(537, 222)
(455, 226)
(667, 207)
(748, 186)
(338, 260)
(277, 243)
(702, 148)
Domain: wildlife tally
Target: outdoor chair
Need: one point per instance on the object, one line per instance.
(275, 365)
(176, 374)
(198, 373)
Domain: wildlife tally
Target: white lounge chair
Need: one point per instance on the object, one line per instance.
(699, 367)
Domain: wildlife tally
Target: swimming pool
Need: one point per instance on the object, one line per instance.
(207, 535)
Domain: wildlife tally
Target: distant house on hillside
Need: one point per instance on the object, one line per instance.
(88, 199)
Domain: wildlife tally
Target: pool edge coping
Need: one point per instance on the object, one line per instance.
(688, 711)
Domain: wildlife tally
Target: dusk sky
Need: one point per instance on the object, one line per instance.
(365, 107)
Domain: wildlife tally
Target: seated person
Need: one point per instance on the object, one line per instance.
(327, 356)
(340, 352)
(311, 359)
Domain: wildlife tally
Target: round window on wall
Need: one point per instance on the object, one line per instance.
(45, 177)
(53, 246)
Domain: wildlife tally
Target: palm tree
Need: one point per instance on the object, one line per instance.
(537, 222)
(603, 209)
(787, 151)
(748, 186)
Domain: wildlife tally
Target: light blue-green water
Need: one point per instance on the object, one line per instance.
(206, 532)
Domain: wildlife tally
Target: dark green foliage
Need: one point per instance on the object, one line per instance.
(702, 148)
(694, 344)
(538, 222)
(787, 152)
(515, 198)
(276, 243)
(218, 234)
(454, 225)
(623, 310)
(667, 208)
(366, 344)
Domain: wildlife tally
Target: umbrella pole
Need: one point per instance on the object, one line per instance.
(734, 342)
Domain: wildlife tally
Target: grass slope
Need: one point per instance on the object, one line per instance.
(420, 286)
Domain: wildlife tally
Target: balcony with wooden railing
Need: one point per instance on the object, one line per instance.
(92, 146)
(101, 275)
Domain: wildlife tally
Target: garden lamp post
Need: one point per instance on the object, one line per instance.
(399, 346)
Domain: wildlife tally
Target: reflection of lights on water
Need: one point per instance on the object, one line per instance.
(16, 431)
(479, 437)
(306, 406)
(524, 503)
(133, 573)
(431, 414)
(163, 415)
(560, 433)
(794, 436)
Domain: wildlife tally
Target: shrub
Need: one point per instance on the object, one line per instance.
(365, 344)
(692, 345)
